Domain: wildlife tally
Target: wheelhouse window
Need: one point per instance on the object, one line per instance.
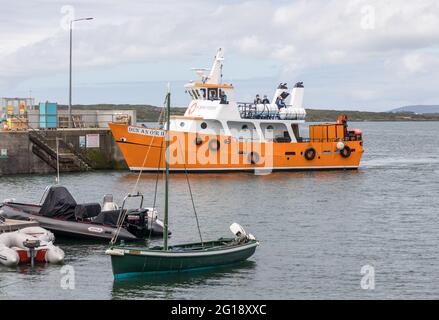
(203, 93)
(191, 94)
(213, 94)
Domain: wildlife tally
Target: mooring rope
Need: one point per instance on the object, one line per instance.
(156, 187)
(190, 192)
(147, 153)
(123, 215)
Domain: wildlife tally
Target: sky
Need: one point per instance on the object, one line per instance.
(351, 54)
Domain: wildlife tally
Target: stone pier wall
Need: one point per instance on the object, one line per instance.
(16, 156)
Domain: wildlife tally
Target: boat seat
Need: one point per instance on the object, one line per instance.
(107, 217)
(87, 210)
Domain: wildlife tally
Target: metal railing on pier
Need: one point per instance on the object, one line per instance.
(61, 121)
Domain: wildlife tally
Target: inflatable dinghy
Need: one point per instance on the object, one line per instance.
(32, 242)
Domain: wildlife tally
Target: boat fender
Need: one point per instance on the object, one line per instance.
(345, 152)
(214, 145)
(310, 153)
(198, 141)
(253, 158)
(340, 145)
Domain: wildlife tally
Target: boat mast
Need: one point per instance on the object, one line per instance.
(168, 117)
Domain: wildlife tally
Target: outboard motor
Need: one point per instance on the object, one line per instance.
(240, 233)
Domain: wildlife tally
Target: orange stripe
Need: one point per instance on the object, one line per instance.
(211, 85)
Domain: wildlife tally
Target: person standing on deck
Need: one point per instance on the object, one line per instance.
(257, 100)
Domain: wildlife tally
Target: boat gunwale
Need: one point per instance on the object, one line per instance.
(158, 250)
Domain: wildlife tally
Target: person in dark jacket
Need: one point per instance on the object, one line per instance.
(257, 99)
(265, 100)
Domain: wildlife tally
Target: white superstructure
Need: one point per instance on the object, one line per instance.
(214, 110)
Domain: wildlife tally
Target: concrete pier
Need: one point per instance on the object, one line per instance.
(34, 151)
(10, 225)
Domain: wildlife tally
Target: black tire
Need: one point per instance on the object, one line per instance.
(198, 141)
(310, 154)
(253, 157)
(346, 152)
(214, 145)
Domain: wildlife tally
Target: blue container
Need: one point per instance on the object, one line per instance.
(48, 115)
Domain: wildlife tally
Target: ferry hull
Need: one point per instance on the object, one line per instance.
(146, 151)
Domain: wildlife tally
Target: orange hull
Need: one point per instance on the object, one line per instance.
(144, 149)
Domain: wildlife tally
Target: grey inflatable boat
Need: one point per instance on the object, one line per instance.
(59, 213)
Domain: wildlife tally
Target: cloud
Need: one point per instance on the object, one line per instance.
(296, 36)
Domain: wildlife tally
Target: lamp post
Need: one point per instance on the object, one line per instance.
(70, 68)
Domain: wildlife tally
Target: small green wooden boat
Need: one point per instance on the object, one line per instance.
(132, 261)
(143, 260)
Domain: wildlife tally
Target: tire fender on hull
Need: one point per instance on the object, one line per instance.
(310, 154)
(346, 152)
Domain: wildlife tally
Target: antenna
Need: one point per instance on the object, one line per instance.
(200, 73)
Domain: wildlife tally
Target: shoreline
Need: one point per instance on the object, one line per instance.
(148, 113)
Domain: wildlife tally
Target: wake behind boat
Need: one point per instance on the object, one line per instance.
(60, 213)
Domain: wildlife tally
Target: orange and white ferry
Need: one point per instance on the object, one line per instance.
(217, 133)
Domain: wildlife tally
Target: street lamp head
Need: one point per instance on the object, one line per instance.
(82, 19)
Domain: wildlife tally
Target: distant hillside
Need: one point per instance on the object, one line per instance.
(145, 113)
(148, 113)
(422, 109)
(331, 115)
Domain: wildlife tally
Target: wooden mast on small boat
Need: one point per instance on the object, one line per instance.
(168, 118)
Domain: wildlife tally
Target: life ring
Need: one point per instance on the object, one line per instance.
(345, 152)
(198, 141)
(192, 108)
(310, 153)
(253, 157)
(214, 144)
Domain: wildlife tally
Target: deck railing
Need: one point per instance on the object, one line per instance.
(263, 111)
